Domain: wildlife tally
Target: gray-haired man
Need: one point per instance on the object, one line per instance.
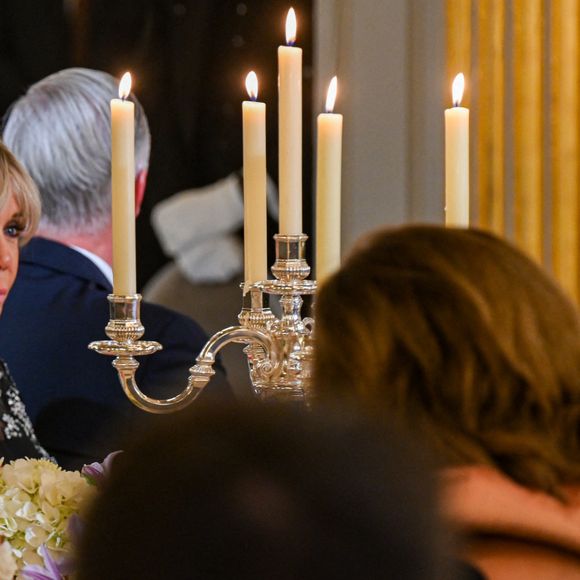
(60, 131)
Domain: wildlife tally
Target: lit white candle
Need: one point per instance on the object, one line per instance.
(457, 159)
(328, 178)
(254, 124)
(290, 130)
(123, 190)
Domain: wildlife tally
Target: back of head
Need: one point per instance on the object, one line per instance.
(61, 131)
(462, 339)
(258, 493)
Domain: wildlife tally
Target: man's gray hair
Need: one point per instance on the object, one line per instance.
(60, 130)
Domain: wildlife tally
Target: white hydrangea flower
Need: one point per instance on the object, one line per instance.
(37, 499)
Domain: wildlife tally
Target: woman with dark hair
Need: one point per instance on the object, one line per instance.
(19, 215)
(459, 338)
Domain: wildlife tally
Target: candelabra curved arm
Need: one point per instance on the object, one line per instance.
(199, 374)
(202, 372)
(125, 328)
(126, 368)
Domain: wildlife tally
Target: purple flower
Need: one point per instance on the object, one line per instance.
(52, 569)
(97, 472)
(74, 528)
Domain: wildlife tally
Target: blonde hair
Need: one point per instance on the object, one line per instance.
(463, 340)
(15, 180)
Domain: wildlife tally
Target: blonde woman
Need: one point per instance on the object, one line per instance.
(19, 215)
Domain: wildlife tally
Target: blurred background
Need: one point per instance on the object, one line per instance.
(394, 59)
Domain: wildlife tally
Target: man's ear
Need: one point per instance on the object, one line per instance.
(140, 184)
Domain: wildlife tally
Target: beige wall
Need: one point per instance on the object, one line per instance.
(389, 56)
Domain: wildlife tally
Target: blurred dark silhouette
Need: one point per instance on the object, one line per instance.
(265, 493)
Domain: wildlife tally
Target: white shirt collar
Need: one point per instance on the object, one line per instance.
(97, 261)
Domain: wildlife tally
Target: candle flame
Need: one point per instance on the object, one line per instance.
(125, 86)
(331, 95)
(291, 27)
(252, 85)
(457, 89)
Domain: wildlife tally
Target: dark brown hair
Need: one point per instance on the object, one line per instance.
(463, 340)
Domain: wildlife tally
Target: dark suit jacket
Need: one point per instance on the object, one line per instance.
(57, 306)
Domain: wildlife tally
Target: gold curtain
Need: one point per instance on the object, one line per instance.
(522, 62)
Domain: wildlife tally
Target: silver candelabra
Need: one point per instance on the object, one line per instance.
(279, 350)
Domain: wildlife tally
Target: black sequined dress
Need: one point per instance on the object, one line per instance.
(17, 438)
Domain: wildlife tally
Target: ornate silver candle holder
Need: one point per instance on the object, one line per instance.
(279, 350)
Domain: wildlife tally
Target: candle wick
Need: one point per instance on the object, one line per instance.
(291, 43)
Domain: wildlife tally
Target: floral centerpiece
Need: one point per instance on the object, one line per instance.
(39, 508)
